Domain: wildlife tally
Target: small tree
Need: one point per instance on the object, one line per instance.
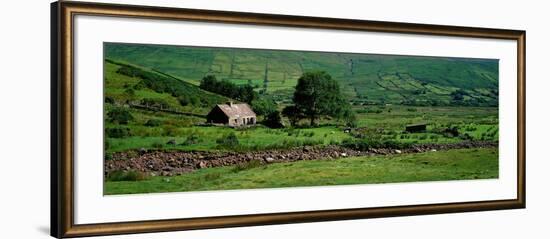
(348, 115)
(273, 120)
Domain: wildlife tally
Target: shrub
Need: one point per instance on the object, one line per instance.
(185, 100)
(458, 95)
(118, 132)
(119, 115)
(153, 123)
(466, 136)
(131, 175)
(192, 139)
(228, 141)
(470, 128)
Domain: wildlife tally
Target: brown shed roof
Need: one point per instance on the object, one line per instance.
(237, 110)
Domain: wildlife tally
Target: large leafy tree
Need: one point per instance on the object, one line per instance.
(316, 95)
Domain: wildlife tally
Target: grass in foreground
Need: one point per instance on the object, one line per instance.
(456, 164)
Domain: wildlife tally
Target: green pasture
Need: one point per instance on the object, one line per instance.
(459, 164)
(256, 138)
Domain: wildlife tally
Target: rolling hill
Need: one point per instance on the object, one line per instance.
(365, 78)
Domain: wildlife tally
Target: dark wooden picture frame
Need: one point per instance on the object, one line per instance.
(62, 118)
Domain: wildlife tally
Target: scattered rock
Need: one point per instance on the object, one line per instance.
(201, 164)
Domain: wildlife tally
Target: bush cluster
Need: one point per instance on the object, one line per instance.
(119, 115)
(192, 139)
(118, 132)
(228, 141)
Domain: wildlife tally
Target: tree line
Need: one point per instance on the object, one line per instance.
(244, 93)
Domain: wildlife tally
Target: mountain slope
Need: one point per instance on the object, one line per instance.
(365, 78)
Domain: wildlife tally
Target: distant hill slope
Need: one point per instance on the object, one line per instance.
(365, 78)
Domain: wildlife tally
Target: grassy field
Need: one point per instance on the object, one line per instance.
(479, 123)
(431, 166)
(257, 138)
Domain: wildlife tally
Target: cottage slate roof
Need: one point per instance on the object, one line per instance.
(237, 110)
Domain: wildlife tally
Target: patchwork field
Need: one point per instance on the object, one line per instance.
(365, 78)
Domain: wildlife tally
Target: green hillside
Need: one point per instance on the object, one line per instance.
(365, 78)
(129, 84)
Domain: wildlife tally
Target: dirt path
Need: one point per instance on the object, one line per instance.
(178, 162)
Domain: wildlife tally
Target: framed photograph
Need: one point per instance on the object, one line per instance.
(170, 119)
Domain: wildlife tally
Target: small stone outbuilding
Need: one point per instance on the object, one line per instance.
(230, 114)
(415, 128)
